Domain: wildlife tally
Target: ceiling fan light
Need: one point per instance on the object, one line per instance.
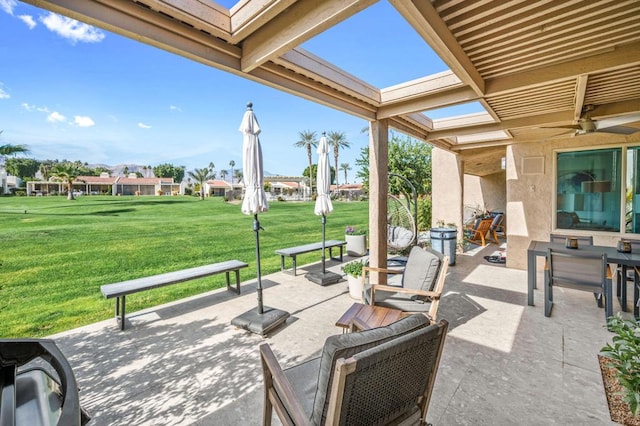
(587, 126)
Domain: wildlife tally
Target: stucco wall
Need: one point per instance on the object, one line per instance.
(530, 197)
(485, 192)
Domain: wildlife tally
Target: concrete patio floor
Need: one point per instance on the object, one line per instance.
(503, 363)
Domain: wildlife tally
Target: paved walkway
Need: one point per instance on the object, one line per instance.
(503, 363)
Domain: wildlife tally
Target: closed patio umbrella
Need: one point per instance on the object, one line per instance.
(322, 208)
(262, 319)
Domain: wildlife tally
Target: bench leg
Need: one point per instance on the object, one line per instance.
(294, 266)
(120, 311)
(237, 287)
(281, 263)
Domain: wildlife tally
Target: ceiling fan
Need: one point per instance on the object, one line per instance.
(615, 125)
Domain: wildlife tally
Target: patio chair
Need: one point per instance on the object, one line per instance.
(498, 227)
(476, 233)
(586, 271)
(624, 275)
(420, 287)
(379, 376)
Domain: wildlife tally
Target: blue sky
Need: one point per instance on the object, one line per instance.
(75, 92)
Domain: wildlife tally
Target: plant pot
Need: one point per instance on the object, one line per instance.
(356, 285)
(356, 245)
(618, 410)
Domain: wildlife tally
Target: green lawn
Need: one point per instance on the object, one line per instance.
(57, 253)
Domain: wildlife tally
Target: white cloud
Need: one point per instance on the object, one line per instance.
(32, 108)
(3, 94)
(55, 117)
(71, 29)
(28, 20)
(8, 5)
(175, 108)
(83, 121)
(144, 126)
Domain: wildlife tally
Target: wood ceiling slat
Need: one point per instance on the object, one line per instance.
(499, 69)
(481, 11)
(517, 26)
(534, 41)
(568, 18)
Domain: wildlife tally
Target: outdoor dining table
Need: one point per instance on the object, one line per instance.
(541, 248)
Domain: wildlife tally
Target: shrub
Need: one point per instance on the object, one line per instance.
(624, 351)
(353, 268)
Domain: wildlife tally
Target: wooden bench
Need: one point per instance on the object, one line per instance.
(292, 252)
(121, 289)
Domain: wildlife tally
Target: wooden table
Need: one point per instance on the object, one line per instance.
(371, 316)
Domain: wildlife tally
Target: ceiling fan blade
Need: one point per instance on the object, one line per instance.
(619, 130)
(606, 123)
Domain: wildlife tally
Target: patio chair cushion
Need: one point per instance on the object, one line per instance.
(422, 269)
(312, 379)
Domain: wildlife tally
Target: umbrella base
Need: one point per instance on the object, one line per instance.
(260, 323)
(323, 278)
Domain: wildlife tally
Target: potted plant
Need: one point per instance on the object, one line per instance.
(356, 241)
(620, 367)
(354, 278)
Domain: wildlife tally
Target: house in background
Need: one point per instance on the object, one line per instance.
(107, 185)
(217, 188)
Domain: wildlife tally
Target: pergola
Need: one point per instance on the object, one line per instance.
(533, 65)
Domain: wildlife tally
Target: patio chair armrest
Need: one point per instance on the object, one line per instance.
(382, 287)
(357, 324)
(385, 270)
(279, 390)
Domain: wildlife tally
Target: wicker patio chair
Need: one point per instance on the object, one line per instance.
(380, 376)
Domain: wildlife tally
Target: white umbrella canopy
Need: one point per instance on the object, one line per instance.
(323, 179)
(255, 199)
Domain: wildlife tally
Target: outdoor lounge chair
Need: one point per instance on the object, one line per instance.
(379, 376)
(497, 227)
(420, 288)
(476, 234)
(586, 271)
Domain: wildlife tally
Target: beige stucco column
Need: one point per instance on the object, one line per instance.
(378, 188)
(446, 188)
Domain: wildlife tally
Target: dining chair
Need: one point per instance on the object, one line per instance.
(624, 275)
(584, 240)
(585, 271)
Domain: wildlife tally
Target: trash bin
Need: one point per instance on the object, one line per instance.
(37, 385)
(444, 240)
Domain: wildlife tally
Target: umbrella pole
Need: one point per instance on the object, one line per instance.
(323, 277)
(324, 225)
(265, 318)
(256, 228)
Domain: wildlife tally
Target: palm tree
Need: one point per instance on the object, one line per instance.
(223, 174)
(9, 149)
(307, 140)
(337, 140)
(345, 168)
(66, 173)
(232, 163)
(239, 175)
(212, 167)
(201, 176)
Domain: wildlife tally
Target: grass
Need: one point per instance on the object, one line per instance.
(57, 253)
